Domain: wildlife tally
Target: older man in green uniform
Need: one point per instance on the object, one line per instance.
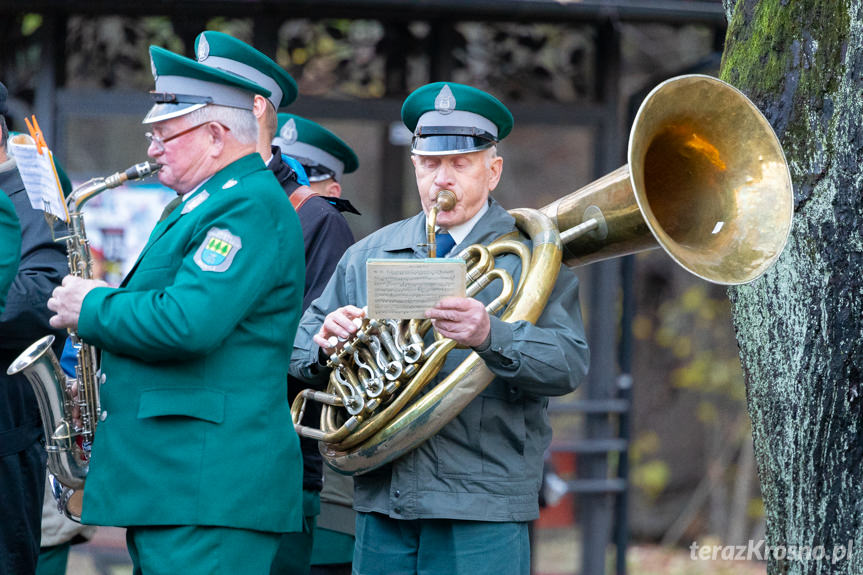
(459, 503)
(10, 246)
(194, 343)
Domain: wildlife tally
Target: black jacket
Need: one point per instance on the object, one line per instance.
(326, 236)
(25, 319)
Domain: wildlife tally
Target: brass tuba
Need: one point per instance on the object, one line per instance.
(706, 180)
(70, 424)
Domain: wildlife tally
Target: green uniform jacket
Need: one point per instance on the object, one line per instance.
(196, 344)
(486, 464)
(10, 246)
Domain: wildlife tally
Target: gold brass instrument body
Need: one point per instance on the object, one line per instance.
(70, 424)
(706, 180)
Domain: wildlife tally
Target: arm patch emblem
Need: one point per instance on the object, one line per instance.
(217, 251)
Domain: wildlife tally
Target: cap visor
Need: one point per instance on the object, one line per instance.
(443, 145)
(165, 111)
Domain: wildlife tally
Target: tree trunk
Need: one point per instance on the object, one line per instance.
(799, 326)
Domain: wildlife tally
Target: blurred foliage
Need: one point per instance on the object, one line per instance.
(527, 62)
(649, 474)
(694, 331)
(696, 328)
(334, 56)
(651, 477)
(113, 51)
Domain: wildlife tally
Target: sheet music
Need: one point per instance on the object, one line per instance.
(39, 176)
(405, 289)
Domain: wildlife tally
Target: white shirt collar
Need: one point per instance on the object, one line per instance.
(460, 231)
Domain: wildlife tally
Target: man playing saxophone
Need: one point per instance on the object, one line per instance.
(195, 344)
(461, 501)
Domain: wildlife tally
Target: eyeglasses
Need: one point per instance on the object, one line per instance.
(160, 142)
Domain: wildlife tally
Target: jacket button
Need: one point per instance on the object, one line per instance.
(103, 416)
(103, 379)
(396, 493)
(398, 510)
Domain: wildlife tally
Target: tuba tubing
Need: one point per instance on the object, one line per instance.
(446, 400)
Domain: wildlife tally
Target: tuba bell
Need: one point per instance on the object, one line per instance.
(706, 180)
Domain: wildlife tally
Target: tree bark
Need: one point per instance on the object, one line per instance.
(799, 326)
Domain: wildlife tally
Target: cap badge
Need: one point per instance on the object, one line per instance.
(153, 69)
(289, 132)
(444, 103)
(203, 48)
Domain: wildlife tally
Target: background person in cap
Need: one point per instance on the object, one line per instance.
(23, 321)
(325, 157)
(223, 51)
(461, 501)
(194, 345)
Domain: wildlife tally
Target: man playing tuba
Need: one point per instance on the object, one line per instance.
(461, 501)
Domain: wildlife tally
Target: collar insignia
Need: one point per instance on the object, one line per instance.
(194, 202)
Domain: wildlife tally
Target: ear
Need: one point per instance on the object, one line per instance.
(259, 108)
(217, 135)
(495, 170)
(334, 189)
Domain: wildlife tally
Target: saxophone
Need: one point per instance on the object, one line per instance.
(70, 423)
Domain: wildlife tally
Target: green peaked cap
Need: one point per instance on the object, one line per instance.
(220, 50)
(183, 85)
(450, 118)
(313, 145)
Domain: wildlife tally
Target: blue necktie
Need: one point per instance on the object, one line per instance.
(443, 243)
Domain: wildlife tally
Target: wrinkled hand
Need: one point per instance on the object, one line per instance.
(66, 301)
(462, 319)
(338, 326)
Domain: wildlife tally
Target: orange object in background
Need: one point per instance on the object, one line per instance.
(562, 513)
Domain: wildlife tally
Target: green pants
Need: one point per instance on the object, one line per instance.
(197, 550)
(53, 560)
(295, 549)
(388, 546)
(331, 547)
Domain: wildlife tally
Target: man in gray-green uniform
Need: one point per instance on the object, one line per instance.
(462, 500)
(194, 345)
(325, 158)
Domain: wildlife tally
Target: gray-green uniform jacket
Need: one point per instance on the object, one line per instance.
(195, 353)
(486, 464)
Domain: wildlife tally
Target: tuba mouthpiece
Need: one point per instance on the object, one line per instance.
(445, 200)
